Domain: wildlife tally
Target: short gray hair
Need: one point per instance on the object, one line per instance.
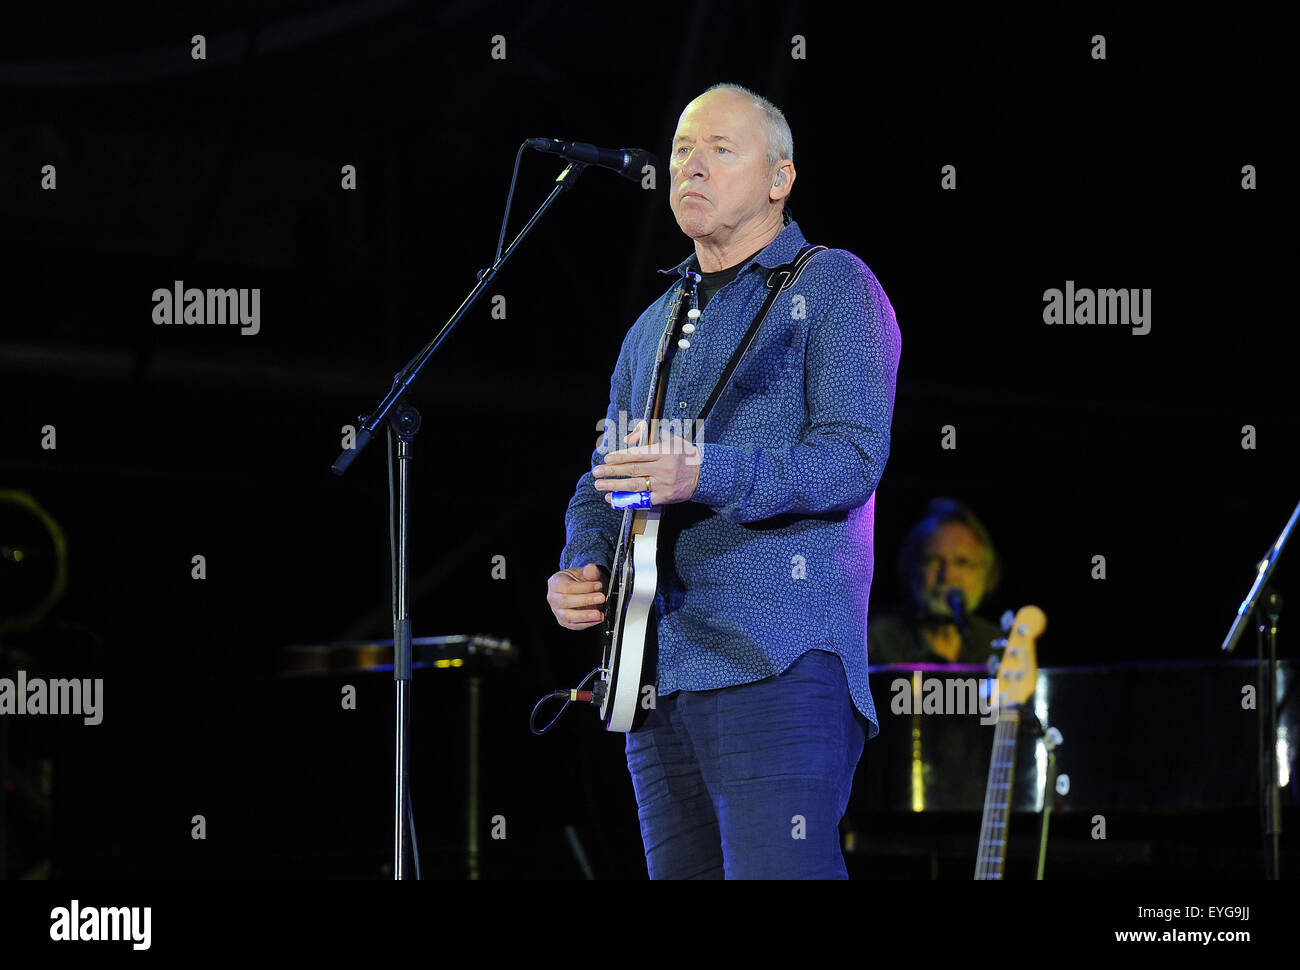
(780, 143)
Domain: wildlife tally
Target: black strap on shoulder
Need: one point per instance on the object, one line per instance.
(781, 278)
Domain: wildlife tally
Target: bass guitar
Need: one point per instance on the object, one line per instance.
(1017, 679)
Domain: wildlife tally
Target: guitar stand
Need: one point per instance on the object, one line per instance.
(1052, 784)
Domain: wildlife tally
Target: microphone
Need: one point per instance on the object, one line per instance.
(957, 603)
(628, 162)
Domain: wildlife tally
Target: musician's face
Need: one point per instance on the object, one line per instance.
(953, 557)
(720, 152)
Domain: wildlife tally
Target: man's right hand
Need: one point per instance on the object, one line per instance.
(574, 595)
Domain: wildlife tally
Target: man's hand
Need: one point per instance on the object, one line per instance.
(672, 464)
(572, 593)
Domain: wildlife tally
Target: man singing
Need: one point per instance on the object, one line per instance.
(947, 550)
(743, 768)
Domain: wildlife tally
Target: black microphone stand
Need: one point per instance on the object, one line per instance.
(1270, 802)
(404, 420)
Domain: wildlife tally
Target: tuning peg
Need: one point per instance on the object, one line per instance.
(1008, 618)
(992, 665)
(999, 643)
(1062, 784)
(693, 313)
(688, 328)
(1052, 739)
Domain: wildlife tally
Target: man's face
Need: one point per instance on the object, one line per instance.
(953, 557)
(719, 153)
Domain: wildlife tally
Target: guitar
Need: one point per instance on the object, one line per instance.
(1017, 678)
(629, 656)
(630, 662)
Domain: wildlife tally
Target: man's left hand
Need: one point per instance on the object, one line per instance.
(672, 464)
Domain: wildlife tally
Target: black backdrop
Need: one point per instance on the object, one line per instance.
(1072, 442)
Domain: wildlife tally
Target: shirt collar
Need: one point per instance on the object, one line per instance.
(781, 250)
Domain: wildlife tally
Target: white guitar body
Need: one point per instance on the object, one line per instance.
(625, 661)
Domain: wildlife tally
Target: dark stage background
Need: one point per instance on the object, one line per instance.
(172, 442)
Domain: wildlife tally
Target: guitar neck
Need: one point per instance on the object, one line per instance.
(634, 519)
(992, 852)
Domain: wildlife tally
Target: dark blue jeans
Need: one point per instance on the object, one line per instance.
(749, 782)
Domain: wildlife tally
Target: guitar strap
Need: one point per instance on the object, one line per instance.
(781, 278)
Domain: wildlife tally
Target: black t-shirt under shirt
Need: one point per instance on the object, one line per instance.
(710, 283)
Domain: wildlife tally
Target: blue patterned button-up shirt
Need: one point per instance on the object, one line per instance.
(772, 555)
